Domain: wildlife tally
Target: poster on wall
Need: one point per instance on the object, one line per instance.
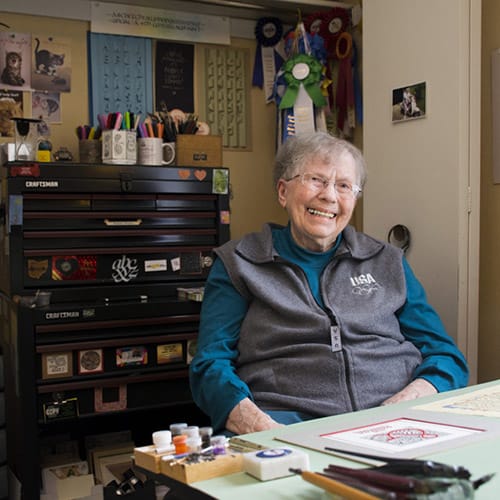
(15, 61)
(51, 64)
(11, 106)
(121, 75)
(409, 102)
(174, 76)
(46, 106)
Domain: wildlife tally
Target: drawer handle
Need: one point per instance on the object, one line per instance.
(136, 222)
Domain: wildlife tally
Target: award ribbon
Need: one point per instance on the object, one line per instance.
(305, 70)
(345, 87)
(268, 33)
(335, 22)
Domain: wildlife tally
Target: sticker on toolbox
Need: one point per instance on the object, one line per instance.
(74, 267)
(37, 269)
(125, 269)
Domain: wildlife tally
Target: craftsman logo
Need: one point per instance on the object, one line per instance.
(62, 315)
(125, 269)
(364, 284)
(42, 184)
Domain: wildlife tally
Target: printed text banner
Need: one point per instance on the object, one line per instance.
(131, 20)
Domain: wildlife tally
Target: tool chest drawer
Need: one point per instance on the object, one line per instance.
(114, 357)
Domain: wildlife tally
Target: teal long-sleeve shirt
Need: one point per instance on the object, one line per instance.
(215, 385)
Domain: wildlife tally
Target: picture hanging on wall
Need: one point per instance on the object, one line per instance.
(11, 106)
(174, 76)
(51, 64)
(46, 106)
(409, 102)
(120, 74)
(15, 61)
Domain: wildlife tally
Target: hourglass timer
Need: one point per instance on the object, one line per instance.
(27, 138)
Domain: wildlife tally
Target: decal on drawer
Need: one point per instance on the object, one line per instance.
(124, 269)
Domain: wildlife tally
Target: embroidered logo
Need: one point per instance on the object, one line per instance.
(364, 284)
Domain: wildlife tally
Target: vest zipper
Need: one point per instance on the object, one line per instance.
(336, 340)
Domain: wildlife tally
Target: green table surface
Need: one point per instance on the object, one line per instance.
(481, 457)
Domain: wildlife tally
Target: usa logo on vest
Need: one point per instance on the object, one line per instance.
(364, 284)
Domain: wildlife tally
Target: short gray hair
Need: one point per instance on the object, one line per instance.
(299, 149)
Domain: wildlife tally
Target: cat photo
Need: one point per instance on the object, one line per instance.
(46, 106)
(10, 107)
(51, 69)
(15, 61)
(11, 74)
(47, 62)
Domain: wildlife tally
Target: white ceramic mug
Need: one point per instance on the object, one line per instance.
(153, 151)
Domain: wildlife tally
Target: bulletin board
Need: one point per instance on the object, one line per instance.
(121, 74)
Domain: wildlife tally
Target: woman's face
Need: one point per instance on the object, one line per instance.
(318, 215)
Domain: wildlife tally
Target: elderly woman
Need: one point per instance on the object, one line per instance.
(315, 319)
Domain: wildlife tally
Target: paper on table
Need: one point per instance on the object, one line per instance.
(485, 402)
(399, 434)
(407, 435)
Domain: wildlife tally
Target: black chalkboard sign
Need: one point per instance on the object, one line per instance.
(174, 76)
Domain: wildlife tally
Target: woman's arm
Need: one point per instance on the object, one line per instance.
(215, 386)
(443, 365)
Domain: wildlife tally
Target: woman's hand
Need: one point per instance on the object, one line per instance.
(247, 417)
(416, 389)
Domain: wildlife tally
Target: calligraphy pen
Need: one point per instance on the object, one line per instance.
(406, 466)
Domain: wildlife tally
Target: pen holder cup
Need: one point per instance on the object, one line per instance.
(90, 151)
(119, 147)
(153, 151)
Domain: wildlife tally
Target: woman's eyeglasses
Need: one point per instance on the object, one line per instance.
(316, 183)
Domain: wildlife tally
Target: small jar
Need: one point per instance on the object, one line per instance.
(193, 444)
(191, 431)
(180, 443)
(176, 429)
(219, 444)
(206, 434)
(162, 438)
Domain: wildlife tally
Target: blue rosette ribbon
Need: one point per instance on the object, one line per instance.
(268, 33)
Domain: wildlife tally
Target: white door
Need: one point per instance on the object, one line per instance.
(424, 173)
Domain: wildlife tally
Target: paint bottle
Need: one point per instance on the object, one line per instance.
(206, 434)
(180, 443)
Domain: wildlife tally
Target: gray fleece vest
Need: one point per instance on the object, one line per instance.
(295, 355)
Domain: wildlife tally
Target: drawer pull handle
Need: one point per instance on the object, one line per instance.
(136, 222)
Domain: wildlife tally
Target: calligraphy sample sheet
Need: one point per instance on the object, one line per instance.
(399, 434)
(485, 402)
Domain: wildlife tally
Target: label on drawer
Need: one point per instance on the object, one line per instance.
(61, 410)
(155, 265)
(169, 353)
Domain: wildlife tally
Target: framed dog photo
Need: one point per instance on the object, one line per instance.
(90, 361)
(57, 364)
(409, 102)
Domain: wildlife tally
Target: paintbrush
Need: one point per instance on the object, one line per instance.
(332, 486)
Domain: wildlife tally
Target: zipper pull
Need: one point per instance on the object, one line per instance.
(335, 338)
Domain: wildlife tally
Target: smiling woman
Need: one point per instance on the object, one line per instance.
(314, 318)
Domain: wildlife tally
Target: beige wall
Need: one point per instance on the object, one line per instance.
(489, 295)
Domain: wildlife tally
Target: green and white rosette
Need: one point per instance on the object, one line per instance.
(302, 74)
